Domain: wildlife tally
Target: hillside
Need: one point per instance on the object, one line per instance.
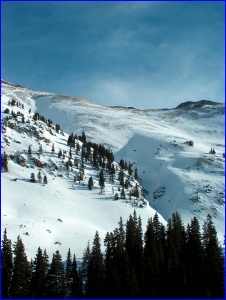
(62, 213)
(170, 149)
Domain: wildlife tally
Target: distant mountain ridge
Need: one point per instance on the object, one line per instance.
(197, 104)
(183, 105)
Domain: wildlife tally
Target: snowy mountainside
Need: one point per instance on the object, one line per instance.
(170, 148)
(62, 213)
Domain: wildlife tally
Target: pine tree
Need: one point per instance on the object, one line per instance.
(214, 261)
(116, 196)
(175, 247)
(121, 177)
(45, 180)
(136, 174)
(95, 270)
(111, 282)
(77, 148)
(101, 180)
(85, 260)
(73, 287)
(70, 154)
(130, 171)
(90, 183)
(121, 261)
(139, 253)
(40, 149)
(60, 154)
(32, 177)
(83, 139)
(133, 245)
(79, 292)
(130, 238)
(39, 275)
(88, 152)
(76, 286)
(112, 172)
(7, 265)
(194, 260)
(57, 128)
(29, 150)
(160, 238)
(122, 164)
(21, 271)
(56, 277)
(136, 192)
(5, 160)
(123, 194)
(39, 175)
(71, 141)
(150, 261)
(131, 283)
(68, 275)
(121, 231)
(36, 116)
(53, 148)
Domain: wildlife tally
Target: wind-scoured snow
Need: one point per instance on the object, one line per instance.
(178, 176)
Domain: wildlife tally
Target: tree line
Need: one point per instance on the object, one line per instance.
(100, 156)
(171, 261)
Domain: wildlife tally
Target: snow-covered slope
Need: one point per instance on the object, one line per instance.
(178, 176)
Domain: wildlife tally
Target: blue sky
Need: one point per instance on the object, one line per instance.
(141, 54)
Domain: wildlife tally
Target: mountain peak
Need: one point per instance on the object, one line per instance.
(196, 104)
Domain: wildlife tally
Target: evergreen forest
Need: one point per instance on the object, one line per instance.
(170, 261)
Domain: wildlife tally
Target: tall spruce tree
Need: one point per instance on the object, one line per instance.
(7, 266)
(56, 277)
(151, 267)
(53, 148)
(70, 153)
(29, 150)
(80, 291)
(131, 283)
(39, 275)
(45, 180)
(116, 264)
(90, 183)
(214, 260)
(138, 266)
(85, 260)
(83, 138)
(121, 230)
(68, 275)
(95, 275)
(111, 282)
(136, 174)
(21, 277)
(76, 286)
(101, 180)
(194, 260)
(175, 247)
(134, 245)
(5, 160)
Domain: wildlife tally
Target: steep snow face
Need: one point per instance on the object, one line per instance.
(63, 213)
(170, 148)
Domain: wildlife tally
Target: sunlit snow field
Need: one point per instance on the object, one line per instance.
(178, 177)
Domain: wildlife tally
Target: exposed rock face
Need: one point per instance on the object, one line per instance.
(198, 104)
